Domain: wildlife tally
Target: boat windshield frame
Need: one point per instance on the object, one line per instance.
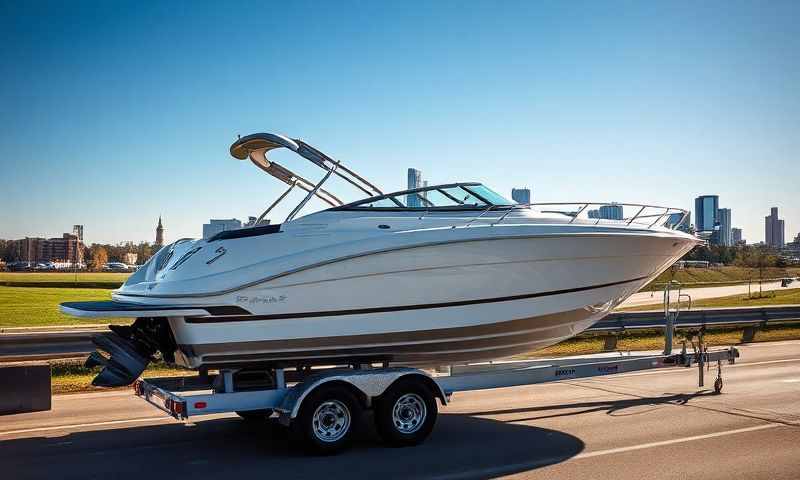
(256, 147)
(359, 205)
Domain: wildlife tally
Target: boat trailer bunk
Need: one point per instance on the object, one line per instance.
(321, 406)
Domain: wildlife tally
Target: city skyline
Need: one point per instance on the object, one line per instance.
(674, 88)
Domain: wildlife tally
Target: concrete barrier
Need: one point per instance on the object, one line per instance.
(24, 387)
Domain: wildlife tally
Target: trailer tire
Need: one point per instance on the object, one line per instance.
(255, 414)
(406, 413)
(326, 420)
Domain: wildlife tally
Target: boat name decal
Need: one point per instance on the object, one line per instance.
(565, 372)
(219, 252)
(260, 299)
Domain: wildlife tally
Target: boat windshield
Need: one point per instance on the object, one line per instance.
(454, 196)
(450, 196)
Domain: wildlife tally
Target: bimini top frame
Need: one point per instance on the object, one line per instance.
(258, 145)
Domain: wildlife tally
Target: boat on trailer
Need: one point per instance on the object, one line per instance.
(443, 274)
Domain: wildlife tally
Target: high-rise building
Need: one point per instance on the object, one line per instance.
(159, 234)
(77, 230)
(774, 229)
(725, 234)
(414, 181)
(706, 213)
(608, 212)
(215, 226)
(611, 212)
(736, 236)
(521, 195)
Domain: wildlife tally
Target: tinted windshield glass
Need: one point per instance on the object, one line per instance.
(464, 197)
(445, 196)
(489, 194)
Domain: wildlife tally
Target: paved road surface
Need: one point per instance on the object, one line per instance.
(635, 426)
(653, 298)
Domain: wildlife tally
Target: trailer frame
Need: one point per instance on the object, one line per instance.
(285, 393)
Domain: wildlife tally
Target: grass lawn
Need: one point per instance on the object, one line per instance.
(72, 377)
(29, 307)
(692, 277)
(775, 297)
(62, 277)
(63, 280)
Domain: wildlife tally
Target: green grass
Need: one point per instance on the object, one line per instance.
(63, 277)
(728, 275)
(773, 297)
(28, 307)
(73, 377)
(63, 280)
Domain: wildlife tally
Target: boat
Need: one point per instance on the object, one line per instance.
(429, 276)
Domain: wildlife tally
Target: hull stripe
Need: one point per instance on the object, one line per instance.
(399, 308)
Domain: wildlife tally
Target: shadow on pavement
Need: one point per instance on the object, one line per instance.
(460, 446)
(635, 406)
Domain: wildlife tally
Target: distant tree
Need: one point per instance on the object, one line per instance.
(99, 257)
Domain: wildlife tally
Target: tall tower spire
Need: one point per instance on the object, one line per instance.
(159, 233)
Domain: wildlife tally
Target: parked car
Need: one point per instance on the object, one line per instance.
(116, 267)
(20, 266)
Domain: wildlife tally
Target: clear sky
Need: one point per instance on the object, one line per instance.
(114, 113)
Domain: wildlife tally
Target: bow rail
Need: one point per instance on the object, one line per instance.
(601, 212)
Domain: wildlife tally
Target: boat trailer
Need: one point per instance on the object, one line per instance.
(321, 406)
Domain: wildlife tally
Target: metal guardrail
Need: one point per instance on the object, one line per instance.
(71, 344)
(619, 322)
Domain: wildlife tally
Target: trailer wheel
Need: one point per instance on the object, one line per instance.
(255, 414)
(406, 413)
(326, 420)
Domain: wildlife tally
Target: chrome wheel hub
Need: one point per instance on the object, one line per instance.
(331, 421)
(409, 413)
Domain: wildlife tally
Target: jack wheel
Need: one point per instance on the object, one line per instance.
(718, 385)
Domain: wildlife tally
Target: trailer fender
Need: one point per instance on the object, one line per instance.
(370, 383)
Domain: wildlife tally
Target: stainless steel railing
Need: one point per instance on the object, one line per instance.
(647, 215)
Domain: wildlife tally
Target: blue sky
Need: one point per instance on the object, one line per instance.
(115, 112)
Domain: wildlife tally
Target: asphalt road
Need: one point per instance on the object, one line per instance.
(657, 297)
(651, 425)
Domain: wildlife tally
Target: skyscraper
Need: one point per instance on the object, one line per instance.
(725, 235)
(521, 195)
(736, 235)
(774, 229)
(77, 230)
(608, 212)
(706, 214)
(414, 181)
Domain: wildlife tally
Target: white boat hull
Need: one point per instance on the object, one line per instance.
(482, 300)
